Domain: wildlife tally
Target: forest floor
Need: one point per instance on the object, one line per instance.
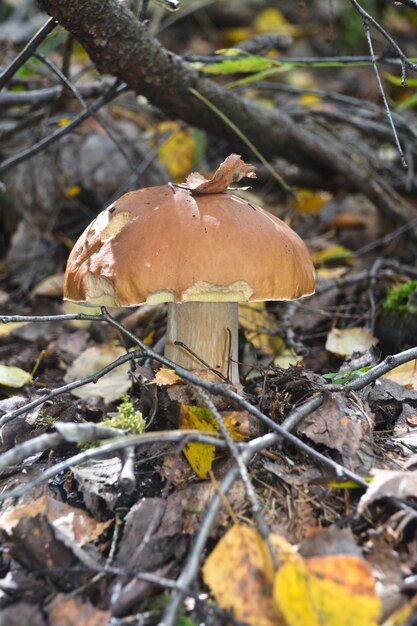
(304, 510)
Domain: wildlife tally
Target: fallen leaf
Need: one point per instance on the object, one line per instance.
(51, 286)
(405, 374)
(11, 376)
(331, 273)
(308, 201)
(97, 481)
(230, 171)
(389, 483)
(180, 150)
(166, 376)
(310, 100)
(332, 255)
(245, 64)
(331, 590)
(259, 326)
(67, 611)
(7, 329)
(350, 220)
(345, 341)
(111, 386)
(240, 574)
(341, 425)
(72, 522)
(272, 20)
(201, 455)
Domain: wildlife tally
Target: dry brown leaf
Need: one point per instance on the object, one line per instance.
(166, 376)
(389, 483)
(74, 611)
(72, 522)
(232, 170)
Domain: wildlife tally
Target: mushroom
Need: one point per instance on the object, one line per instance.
(197, 247)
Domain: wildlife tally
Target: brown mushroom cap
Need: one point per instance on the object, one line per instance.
(164, 244)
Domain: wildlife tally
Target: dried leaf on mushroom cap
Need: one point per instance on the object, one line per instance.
(230, 171)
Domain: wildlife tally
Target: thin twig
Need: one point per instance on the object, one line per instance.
(281, 182)
(47, 394)
(243, 471)
(145, 439)
(365, 23)
(27, 51)
(84, 105)
(365, 15)
(112, 93)
(216, 388)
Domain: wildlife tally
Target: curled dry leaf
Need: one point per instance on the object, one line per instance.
(389, 483)
(166, 376)
(232, 170)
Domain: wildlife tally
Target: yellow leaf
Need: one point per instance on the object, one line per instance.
(405, 374)
(166, 376)
(200, 455)
(309, 100)
(147, 340)
(64, 121)
(15, 377)
(240, 575)
(72, 191)
(178, 151)
(331, 590)
(346, 341)
(330, 273)
(309, 201)
(260, 326)
(287, 358)
(332, 255)
(271, 20)
(7, 329)
(233, 36)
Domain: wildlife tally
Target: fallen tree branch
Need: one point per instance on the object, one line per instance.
(120, 44)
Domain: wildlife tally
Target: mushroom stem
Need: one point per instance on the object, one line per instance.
(204, 328)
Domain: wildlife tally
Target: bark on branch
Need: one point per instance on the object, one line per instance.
(120, 45)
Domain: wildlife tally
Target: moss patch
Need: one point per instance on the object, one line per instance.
(397, 299)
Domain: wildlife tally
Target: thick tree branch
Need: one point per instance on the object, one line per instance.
(120, 45)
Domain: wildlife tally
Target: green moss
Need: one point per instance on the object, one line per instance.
(43, 419)
(128, 418)
(397, 299)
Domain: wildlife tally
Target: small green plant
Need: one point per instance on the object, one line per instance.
(43, 419)
(128, 418)
(340, 378)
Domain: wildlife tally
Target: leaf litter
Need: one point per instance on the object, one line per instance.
(339, 550)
